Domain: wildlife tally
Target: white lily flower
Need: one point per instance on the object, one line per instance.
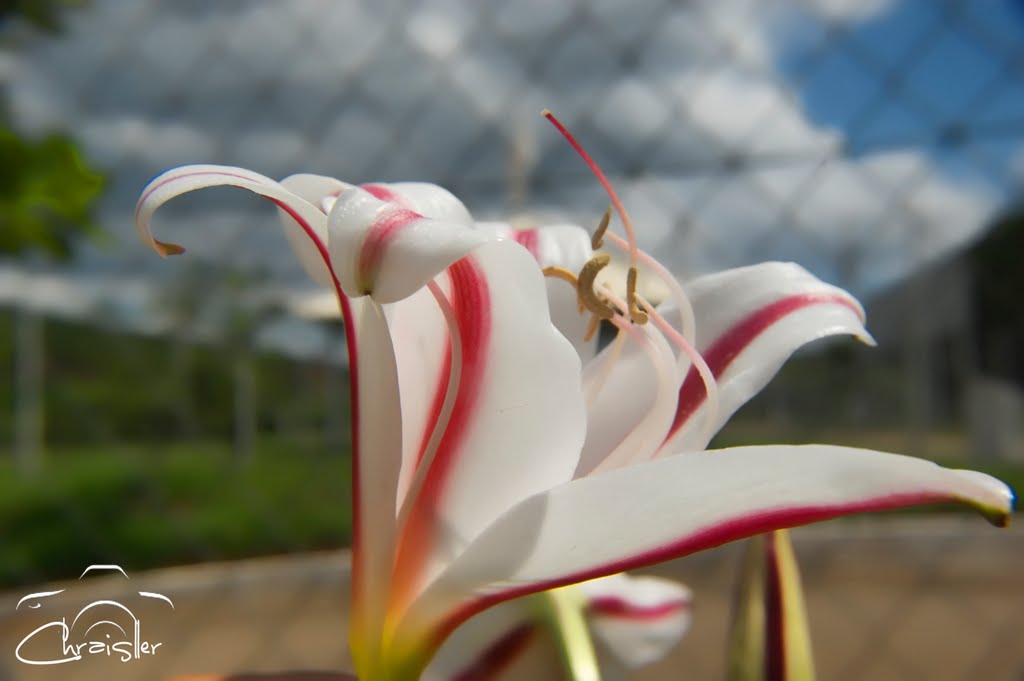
(489, 464)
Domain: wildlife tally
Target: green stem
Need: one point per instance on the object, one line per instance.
(564, 611)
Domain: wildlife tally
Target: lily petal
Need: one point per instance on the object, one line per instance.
(317, 189)
(429, 200)
(677, 505)
(749, 321)
(423, 352)
(306, 232)
(518, 417)
(566, 246)
(637, 619)
(388, 252)
(499, 643)
(631, 398)
(375, 469)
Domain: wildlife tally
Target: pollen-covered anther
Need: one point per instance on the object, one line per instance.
(561, 273)
(565, 275)
(597, 240)
(635, 313)
(585, 287)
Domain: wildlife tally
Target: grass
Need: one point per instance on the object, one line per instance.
(143, 507)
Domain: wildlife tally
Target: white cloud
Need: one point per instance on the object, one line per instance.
(363, 89)
(133, 138)
(752, 114)
(847, 10)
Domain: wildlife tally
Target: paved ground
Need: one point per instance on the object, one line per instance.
(918, 598)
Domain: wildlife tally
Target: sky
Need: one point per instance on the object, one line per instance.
(859, 138)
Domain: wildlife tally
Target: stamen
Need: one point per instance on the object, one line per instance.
(593, 388)
(644, 440)
(585, 286)
(627, 224)
(563, 274)
(592, 327)
(681, 299)
(637, 315)
(597, 240)
(706, 375)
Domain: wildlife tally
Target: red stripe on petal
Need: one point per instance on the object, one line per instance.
(353, 387)
(380, 235)
(499, 655)
(385, 194)
(528, 239)
(733, 342)
(774, 624)
(471, 302)
(721, 533)
(613, 606)
(175, 178)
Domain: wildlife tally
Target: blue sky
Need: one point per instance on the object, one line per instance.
(942, 64)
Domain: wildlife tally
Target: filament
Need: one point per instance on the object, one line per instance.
(451, 392)
(706, 375)
(627, 224)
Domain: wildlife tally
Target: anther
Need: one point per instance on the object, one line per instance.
(635, 313)
(561, 273)
(598, 239)
(585, 287)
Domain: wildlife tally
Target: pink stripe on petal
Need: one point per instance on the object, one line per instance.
(730, 344)
(470, 299)
(612, 606)
(471, 303)
(528, 239)
(353, 386)
(149, 191)
(721, 533)
(385, 194)
(499, 655)
(380, 235)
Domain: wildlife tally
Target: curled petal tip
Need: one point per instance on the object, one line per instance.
(165, 248)
(866, 338)
(999, 519)
(994, 499)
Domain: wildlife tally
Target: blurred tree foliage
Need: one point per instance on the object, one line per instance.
(92, 395)
(47, 192)
(43, 14)
(47, 189)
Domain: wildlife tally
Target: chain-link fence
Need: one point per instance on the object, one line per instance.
(877, 143)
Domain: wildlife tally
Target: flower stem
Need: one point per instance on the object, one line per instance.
(564, 611)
